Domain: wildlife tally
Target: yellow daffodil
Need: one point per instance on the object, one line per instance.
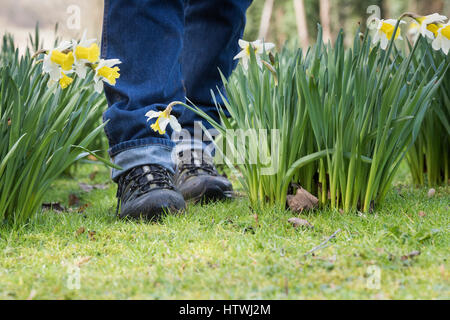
(91, 54)
(258, 46)
(56, 59)
(65, 81)
(429, 25)
(86, 51)
(163, 118)
(385, 32)
(106, 72)
(65, 60)
(442, 41)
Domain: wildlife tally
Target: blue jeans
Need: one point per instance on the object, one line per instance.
(170, 50)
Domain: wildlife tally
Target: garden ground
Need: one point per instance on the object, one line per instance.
(223, 251)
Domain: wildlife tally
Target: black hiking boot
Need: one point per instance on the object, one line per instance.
(148, 192)
(198, 180)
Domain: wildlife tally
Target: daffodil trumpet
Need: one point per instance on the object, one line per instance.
(90, 54)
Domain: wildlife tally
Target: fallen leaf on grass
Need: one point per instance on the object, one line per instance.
(88, 187)
(296, 222)
(422, 214)
(73, 200)
(83, 208)
(83, 261)
(55, 206)
(255, 216)
(91, 235)
(80, 231)
(410, 255)
(303, 200)
(431, 193)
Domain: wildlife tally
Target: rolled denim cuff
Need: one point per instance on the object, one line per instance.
(145, 155)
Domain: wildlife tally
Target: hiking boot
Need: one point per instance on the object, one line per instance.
(198, 180)
(148, 192)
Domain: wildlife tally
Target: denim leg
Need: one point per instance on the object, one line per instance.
(211, 34)
(147, 36)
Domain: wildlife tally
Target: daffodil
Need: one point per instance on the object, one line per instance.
(385, 32)
(259, 48)
(430, 24)
(91, 53)
(106, 71)
(55, 61)
(65, 60)
(85, 51)
(65, 81)
(163, 118)
(442, 41)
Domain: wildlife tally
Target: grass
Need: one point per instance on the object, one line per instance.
(220, 251)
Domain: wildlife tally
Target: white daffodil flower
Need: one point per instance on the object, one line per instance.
(430, 24)
(258, 46)
(106, 71)
(85, 51)
(442, 41)
(385, 32)
(163, 118)
(55, 61)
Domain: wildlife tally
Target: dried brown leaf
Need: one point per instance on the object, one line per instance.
(55, 206)
(73, 200)
(83, 261)
(80, 231)
(410, 255)
(303, 200)
(91, 235)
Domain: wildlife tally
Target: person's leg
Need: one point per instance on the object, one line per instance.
(211, 34)
(147, 36)
(212, 31)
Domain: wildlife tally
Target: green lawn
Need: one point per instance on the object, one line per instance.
(220, 251)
